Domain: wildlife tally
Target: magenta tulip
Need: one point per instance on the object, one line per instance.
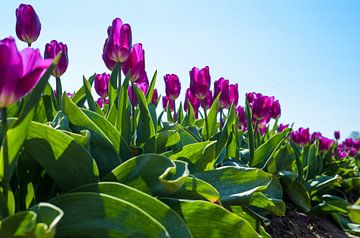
(200, 82)
(275, 109)
(52, 49)
(222, 86)
(110, 64)
(325, 143)
(315, 135)
(301, 136)
(165, 101)
(337, 135)
(234, 94)
(282, 127)
(194, 101)
(28, 25)
(208, 101)
(172, 86)
(135, 63)
(101, 84)
(155, 97)
(242, 124)
(118, 44)
(143, 86)
(19, 71)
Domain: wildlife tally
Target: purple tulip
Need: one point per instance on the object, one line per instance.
(28, 25)
(353, 152)
(165, 101)
(301, 136)
(172, 86)
(135, 63)
(262, 107)
(282, 127)
(207, 102)
(101, 101)
(234, 94)
(325, 143)
(110, 64)
(155, 97)
(275, 109)
(143, 86)
(242, 119)
(52, 49)
(337, 135)
(118, 44)
(19, 71)
(101, 84)
(194, 101)
(200, 82)
(222, 86)
(315, 135)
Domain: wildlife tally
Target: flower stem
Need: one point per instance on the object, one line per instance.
(58, 92)
(221, 119)
(175, 114)
(133, 109)
(29, 44)
(5, 182)
(206, 124)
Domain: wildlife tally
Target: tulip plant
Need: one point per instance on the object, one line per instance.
(73, 165)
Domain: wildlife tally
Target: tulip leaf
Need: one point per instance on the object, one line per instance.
(164, 177)
(122, 121)
(93, 106)
(236, 185)
(166, 139)
(299, 196)
(113, 85)
(250, 130)
(89, 214)
(145, 129)
(150, 92)
(206, 219)
(212, 122)
(67, 162)
(312, 162)
(152, 206)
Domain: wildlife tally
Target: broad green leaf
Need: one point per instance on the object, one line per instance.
(113, 85)
(312, 162)
(264, 153)
(149, 94)
(93, 106)
(283, 160)
(164, 177)
(199, 156)
(354, 212)
(67, 162)
(321, 183)
(299, 196)
(351, 184)
(250, 130)
(122, 122)
(166, 139)
(206, 219)
(21, 224)
(88, 214)
(345, 224)
(212, 119)
(152, 206)
(236, 185)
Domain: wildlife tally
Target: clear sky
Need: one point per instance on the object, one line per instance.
(305, 53)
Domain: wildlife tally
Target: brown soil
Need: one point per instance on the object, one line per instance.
(295, 224)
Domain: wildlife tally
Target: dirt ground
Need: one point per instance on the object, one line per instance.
(296, 224)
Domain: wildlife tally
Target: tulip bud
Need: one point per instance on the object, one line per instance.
(28, 25)
(19, 71)
(155, 97)
(165, 101)
(282, 127)
(101, 84)
(234, 94)
(222, 86)
(52, 49)
(242, 119)
(135, 63)
(118, 44)
(200, 82)
(172, 86)
(110, 64)
(143, 86)
(208, 101)
(324, 143)
(315, 135)
(301, 136)
(337, 135)
(275, 109)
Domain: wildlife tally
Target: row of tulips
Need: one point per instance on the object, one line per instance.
(72, 166)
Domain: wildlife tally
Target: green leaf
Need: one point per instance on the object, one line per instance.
(67, 162)
(312, 162)
(250, 133)
(322, 183)
(89, 214)
(21, 224)
(93, 106)
(264, 153)
(345, 224)
(354, 212)
(236, 185)
(152, 206)
(283, 160)
(166, 139)
(212, 119)
(123, 112)
(149, 94)
(164, 177)
(199, 156)
(205, 219)
(145, 129)
(113, 86)
(299, 196)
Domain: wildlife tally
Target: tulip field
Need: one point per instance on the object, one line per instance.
(117, 159)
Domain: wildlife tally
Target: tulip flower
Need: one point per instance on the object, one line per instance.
(167, 101)
(194, 101)
(208, 101)
(325, 143)
(100, 101)
(172, 86)
(315, 135)
(135, 63)
(101, 84)
(234, 94)
(282, 127)
(52, 49)
(19, 71)
(301, 136)
(118, 44)
(142, 86)
(110, 64)
(240, 112)
(155, 97)
(275, 109)
(28, 25)
(222, 86)
(337, 135)
(200, 82)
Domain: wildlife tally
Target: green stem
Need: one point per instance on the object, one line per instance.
(206, 124)
(221, 118)
(250, 130)
(235, 131)
(133, 109)
(5, 153)
(175, 114)
(29, 44)
(58, 92)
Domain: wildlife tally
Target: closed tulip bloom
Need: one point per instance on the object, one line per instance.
(282, 127)
(207, 102)
(143, 86)
(172, 86)
(315, 135)
(101, 84)
(194, 101)
(118, 44)
(28, 25)
(234, 94)
(52, 49)
(240, 112)
(301, 136)
(135, 63)
(154, 97)
(110, 64)
(262, 107)
(19, 71)
(200, 82)
(165, 101)
(275, 109)
(325, 143)
(222, 86)
(337, 135)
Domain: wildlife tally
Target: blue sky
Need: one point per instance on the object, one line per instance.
(305, 53)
